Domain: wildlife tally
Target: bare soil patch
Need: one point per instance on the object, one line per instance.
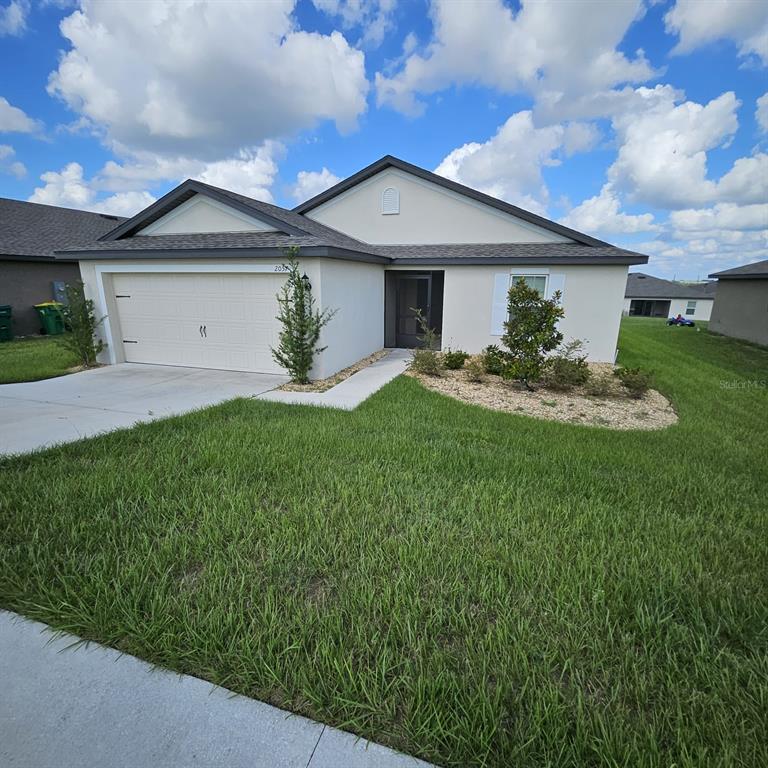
(321, 385)
(611, 408)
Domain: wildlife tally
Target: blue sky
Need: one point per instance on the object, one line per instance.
(644, 123)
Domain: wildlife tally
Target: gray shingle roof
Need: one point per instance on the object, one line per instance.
(642, 286)
(504, 253)
(33, 231)
(758, 269)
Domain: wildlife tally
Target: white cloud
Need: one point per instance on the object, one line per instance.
(747, 181)
(761, 112)
(65, 187)
(508, 165)
(8, 164)
(723, 216)
(699, 22)
(559, 52)
(13, 17)
(250, 172)
(311, 183)
(14, 120)
(662, 158)
(68, 188)
(373, 17)
(205, 78)
(602, 214)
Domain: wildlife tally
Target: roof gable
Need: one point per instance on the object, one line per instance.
(204, 214)
(390, 162)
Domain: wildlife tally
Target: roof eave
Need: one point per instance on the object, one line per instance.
(505, 260)
(172, 254)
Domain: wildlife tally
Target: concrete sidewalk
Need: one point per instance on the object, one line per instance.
(352, 391)
(77, 706)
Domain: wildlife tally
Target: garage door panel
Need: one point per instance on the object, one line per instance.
(163, 314)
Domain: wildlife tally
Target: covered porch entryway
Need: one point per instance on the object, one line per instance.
(649, 307)
(406, 294)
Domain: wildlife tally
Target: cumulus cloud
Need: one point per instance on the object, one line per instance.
(546, 49)
(509, 164)
(728, 216)
(120, 188)
(15, 120)
(698, 23)
(662, 159)
(8, 163)
(13, 17)
(311, 183)
(602, 214)
(205, 78)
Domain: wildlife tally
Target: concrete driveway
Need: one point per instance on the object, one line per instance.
(42, 413)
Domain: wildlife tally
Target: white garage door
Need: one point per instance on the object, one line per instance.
(222, 321)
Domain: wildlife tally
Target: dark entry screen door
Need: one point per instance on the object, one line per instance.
(414, 292)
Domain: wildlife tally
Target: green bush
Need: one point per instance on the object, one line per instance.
(454, 359)
(568, 369)
(300, 323)
(475, 371)
(599, 385)
(81, 322)
(530, 332)
(635, 380)
(494, 360)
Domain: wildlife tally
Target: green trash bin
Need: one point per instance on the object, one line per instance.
(50, 317)
(6, 326)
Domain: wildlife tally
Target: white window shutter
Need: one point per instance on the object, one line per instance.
(556, 282)
(499, 304)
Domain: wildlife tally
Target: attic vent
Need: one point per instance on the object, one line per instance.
(390, 201)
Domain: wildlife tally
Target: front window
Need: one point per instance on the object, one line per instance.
(690, 309)
(537, 282)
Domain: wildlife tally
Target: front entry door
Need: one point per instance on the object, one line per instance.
(414, 292)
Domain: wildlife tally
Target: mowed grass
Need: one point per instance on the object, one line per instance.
(34, 359)
(475, 588)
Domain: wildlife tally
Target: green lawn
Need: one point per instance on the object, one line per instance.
(33, 359)
(476, 588)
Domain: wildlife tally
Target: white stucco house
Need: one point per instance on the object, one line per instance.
(192, 279)
(649, 296)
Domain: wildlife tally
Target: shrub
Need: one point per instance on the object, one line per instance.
(567, 369)
(426, 360)
(530, 332)
(636, 380)
(475, 371)
(599, 386)
(80, 321)
(493, 360)
(301, 323)
(454, 359)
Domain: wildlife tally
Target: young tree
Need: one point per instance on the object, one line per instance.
(81, 322)
(530, 332)
(301, 323)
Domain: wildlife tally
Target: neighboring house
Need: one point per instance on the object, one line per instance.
(741, 303)
(29, 235)
(192, 279)
(650, 296)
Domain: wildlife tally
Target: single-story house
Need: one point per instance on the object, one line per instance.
(29, 271)
(192, 279)
(650, 296)
(741, 303)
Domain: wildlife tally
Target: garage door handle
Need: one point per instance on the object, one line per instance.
(205, 331)
(201, 331)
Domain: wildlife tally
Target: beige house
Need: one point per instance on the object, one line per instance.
(192, 279)
(741, 303)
